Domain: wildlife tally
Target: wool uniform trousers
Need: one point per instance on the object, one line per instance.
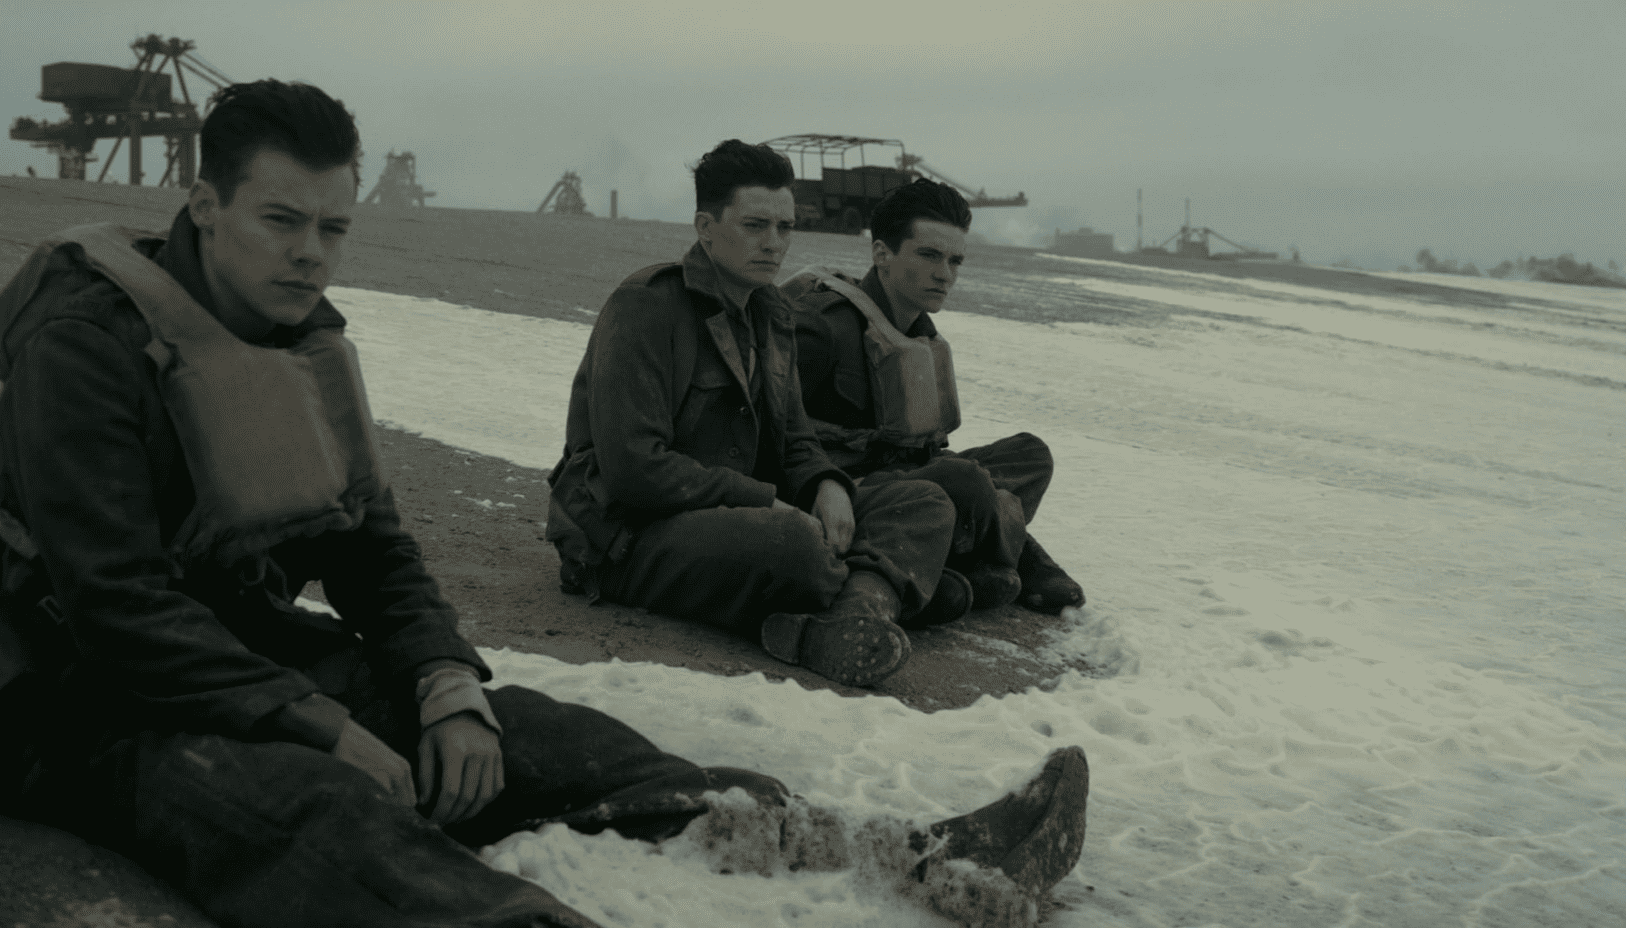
(996, 489)
(279, 835)
(734, 566)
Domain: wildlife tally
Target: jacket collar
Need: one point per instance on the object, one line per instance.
(700, 275)
(871, 285)
(180, 258)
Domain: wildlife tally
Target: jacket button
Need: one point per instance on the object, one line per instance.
(733, 452)
(745, 410)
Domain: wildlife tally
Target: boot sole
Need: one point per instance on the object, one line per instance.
(858, 653)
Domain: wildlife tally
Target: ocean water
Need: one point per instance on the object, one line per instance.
(1357, 602)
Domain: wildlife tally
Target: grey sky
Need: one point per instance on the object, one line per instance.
(1353, 129)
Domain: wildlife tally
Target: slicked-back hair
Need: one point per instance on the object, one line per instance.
(894, 218)
(296, 119)
(732, 165)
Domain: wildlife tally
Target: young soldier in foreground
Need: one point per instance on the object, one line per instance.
(692, 482)
(184, 443)
(885, 420)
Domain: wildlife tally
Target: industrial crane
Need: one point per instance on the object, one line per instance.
(1193, 242)
(566, 196)
(973, 198)
(398, 183)
(107, 102)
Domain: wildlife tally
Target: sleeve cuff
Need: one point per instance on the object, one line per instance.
(450, 690)
(810, 489)
(760, 494)
(314, 721)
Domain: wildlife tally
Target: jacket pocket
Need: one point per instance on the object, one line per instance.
(709, 405)
(579, 523)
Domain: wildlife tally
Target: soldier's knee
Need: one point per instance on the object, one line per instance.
(1035, 448)
(796, 535)
(801, 559)
(921, 501)
(966, 483)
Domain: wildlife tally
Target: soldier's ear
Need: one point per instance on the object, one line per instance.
(703, 222)
(879, 253)
(202, 203)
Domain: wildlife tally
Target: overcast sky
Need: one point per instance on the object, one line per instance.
(1361, 130)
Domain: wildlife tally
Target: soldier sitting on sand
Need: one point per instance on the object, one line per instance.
(184, 443)
(692, 482)
(878, 383)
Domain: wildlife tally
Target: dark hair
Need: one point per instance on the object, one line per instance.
(296, 119)
(894, 217)
(732, 165)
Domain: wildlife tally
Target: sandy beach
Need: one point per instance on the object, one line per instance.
(1353, 648)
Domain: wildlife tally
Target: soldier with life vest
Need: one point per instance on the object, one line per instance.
(185, 443)
(878, 382)
(692, 482)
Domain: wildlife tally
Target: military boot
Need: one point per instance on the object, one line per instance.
(856, 641)
(1033, 837)
(1045, 586)
(993, 586)
(951, 600)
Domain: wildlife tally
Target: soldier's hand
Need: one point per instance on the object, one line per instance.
(812, 519)
(360, 748)
(459, 768)
(834, 510)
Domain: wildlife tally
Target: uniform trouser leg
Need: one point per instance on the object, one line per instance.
(731, 567)
(284, 836)
(1020, 464)
(562, 762)
(988, 522)
(575, 765)
(277, 834)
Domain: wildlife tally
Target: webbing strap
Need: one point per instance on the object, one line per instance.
(860, 299)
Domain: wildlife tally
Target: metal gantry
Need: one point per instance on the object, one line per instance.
(104, 101)
(566, 196)
(398, 183)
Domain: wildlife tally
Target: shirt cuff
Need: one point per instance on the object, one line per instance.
(450, 690)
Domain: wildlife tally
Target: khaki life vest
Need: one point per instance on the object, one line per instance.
(278, 441)
(912, 379)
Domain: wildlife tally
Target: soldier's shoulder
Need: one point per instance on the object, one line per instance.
(808, 292)
(654, 276)
(68, 289)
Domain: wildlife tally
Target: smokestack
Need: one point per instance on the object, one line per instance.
(612, 204)
(1137, 219)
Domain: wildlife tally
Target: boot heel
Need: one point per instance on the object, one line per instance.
(782, 635)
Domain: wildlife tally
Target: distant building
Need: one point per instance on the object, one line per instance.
(1085, 243)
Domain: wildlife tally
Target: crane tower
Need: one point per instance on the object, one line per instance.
(108, 102)
(398, 183)
(566, 196)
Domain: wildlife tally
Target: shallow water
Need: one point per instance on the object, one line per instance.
(1355, 590)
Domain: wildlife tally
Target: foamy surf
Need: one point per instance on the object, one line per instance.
(1355, 598)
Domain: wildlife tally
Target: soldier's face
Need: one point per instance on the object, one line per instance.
(927, 263)
(269, 254)
(749, 240)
